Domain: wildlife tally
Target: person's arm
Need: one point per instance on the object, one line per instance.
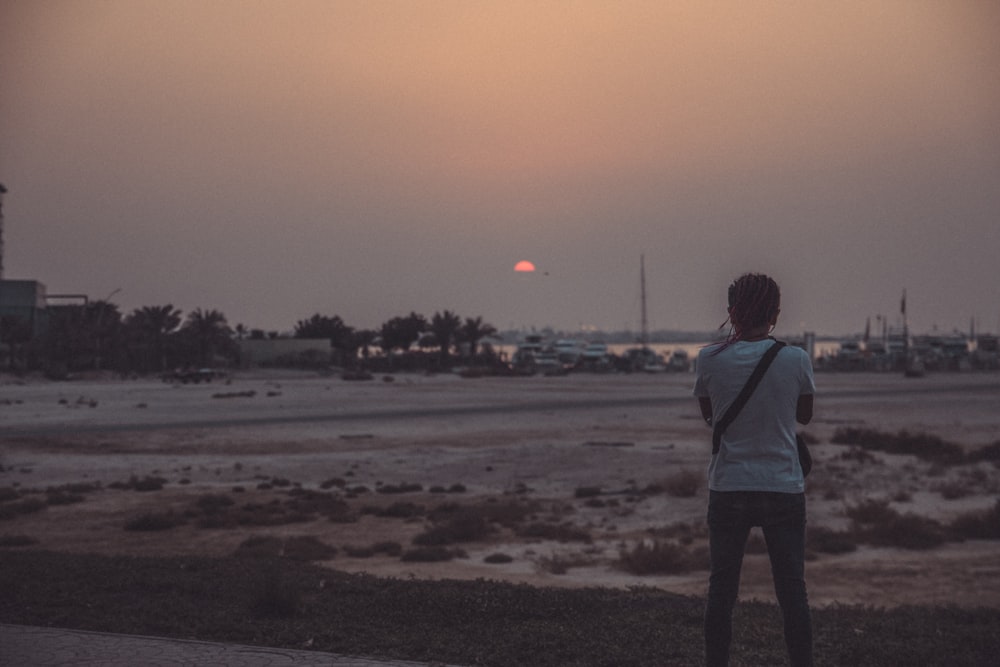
(804, 409)
(705, 403)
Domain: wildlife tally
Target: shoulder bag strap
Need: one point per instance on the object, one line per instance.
(744, 395)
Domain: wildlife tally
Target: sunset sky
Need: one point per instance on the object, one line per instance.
(275, 159)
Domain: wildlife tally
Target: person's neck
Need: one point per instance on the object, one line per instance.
(760, 333)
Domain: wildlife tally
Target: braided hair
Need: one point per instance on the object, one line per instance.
(754, 300)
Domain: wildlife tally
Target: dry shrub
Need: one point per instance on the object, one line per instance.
(7, 494)
(922, 445)
(60, 497)
(275, 598)
(405, 487)
(871, 512)
(825, 540)
(17, 541)
(464, 526)
(551, 531)
(978, 525)
(211, 503)
(953, 490)
(660, 558)
(498, 559)
(684, 484)
(388, 548)
(874, 522)
(147, 483)
(435, 554)
(988, 453)
(587, 492)
(307, 548)
(152, 521)
(561, 564)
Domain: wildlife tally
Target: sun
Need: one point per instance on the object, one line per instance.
(524, 266)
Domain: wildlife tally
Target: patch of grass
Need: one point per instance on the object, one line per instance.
(152, 521)
(561, 563)
(978, 525)
(462, 526)
(435, 554)
(498, 559)
(17, 541)
(147, 483)
(658, 557)
(389, 548)
(683, 484)
(988, 453)
(482, 622)
(922, 445)
(404, 487)
(275, 597)
(60, 497)
(559, 532)
(213, 503)
(874, 522)
(825, 540)
(308, 548)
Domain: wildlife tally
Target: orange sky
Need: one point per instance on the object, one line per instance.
(397, 149)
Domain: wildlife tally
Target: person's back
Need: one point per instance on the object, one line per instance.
(758, 450)
(755, 478)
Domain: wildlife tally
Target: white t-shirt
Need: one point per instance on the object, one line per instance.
(758, 451)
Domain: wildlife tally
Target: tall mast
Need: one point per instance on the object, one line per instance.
(644, 336)
(3, 190)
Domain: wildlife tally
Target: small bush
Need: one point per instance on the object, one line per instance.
(464, 527)
(587, 492)
(827, 541)
(498, 559)
(871, 512)
(59, 497)
(558, 532)
(307, 548)
(561, 564)
(17, 541)
(988, 453)
(922, 445)
(152, 522)
(7, 494)
(684, 484)
(400, 488)
(211, 503)
(658, 558)
(436, 554)
(978, 525)
(275, 598)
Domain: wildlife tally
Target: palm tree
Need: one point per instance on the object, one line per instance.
(209, 334)
(151, 328)
(474, 330)
(445, 326)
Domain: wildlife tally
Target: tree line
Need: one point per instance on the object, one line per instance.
(153, 339)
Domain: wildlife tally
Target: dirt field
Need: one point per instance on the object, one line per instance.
(584, 451)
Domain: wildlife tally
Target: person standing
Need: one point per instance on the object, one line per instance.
(755, 479)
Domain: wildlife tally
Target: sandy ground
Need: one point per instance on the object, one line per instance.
(535, 438)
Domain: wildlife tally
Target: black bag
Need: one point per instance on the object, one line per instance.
(805, 458)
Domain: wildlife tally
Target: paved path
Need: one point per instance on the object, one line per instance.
(27, 646)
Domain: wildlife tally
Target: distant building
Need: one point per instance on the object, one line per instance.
(24, 301)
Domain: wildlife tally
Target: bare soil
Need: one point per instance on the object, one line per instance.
(267, 441)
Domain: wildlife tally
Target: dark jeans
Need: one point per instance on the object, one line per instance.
(782, 516)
